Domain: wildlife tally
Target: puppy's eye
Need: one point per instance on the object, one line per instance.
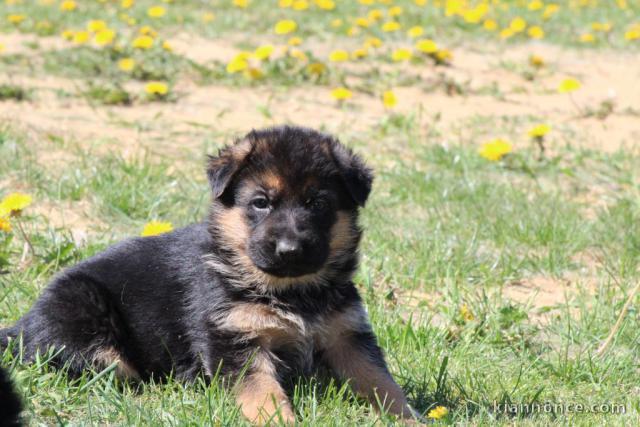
(316, 203)
(260, 203)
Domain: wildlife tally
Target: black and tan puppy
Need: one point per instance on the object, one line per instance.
(265, 283)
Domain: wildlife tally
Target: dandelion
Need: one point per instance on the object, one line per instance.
(5, 225)
(96, 25)
(294, 41)
(126, 4)
(535, 5)
(238, 63)
(391, 26)
(550, 10)
(155, 228)
(372, 42)
(325, 4)
(401, 54)
(389, 99)
(147, 31)
(68, 34)
(2, 47)
(300, 5)
(517, 24)
(362, 22)
(337, 23)
(341, 94)
(375, 15)
(242, 4)
(253, 73)
(395, 11)
(167, 46)
(536, 61)
(490, 25)
(438, 412)
(126, 64)
(156, 88)
(495, 149)
(142, 42)
(156, 12)
(535, 32)
(286, 26)
(415, 32)
(569, 85)
(539, 131)
(14, 203)
(80, 37)
(443, 56)
(359, 53)
(16, 19)
(339, 55)
(587, 38)
(632, 33)
(427, 46)
(68, 6)
(263, 52)
(316, 68)
(466, 314)
(105, 37)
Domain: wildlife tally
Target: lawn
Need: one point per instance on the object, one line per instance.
(502, 237)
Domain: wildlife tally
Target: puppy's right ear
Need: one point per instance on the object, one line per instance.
(221, 169)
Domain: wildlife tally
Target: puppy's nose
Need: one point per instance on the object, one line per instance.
(288, 248)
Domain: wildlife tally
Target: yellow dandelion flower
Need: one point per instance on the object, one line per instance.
(550, 10)
(490, 25)
(5, 225)
(242, 4)
(325, 4)
(372, 42)
(208, 17)
(395, 11)
(300, 5)
(359, 53)
(68, 34)
(367, 2)
(284, 4)
(415, 32)
(294, 41)
(126, 4)
(535, 5)
(466, 314)
(401, 54)
(16, 19)
(420, 2)
(517, 24)
(505, 33)
(362, 22)
(587, 38)
(375, 15)
(156, 12)
(427, 46)
(569, 85)
(438, 412)
(633, 33)
(80, 37)
(443, 55)
(68, 6)
(156, 88)
(339, 55)
(341, 94)
(2, 47)
(390, 26)
(142, 42)
(105, 37)
(353, 31)
(253, 73)
(285, 26)
(539, 131)
(535, 32)
(238, 63)
(14, 203)
(298, 54)
(337, 23)
(96, 25)
(263, 52)
(389, 99)
(536, 61)
(167, 46)
(603, 27)
(155, 228)
(126, 64)
(495, 149)
(146, 30)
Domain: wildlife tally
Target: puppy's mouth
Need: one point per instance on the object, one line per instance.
(287, 269)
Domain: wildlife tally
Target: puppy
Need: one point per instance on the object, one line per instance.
(260, 291)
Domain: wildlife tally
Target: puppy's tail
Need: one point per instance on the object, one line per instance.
(10, 405)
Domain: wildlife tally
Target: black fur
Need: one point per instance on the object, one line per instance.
(157, 301)
(10, 406)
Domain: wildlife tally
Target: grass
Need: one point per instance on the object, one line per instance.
(449, 236)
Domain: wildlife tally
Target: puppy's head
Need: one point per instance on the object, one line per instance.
(285, 205)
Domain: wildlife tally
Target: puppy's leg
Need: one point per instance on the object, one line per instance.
(260, 394)
(353, 354)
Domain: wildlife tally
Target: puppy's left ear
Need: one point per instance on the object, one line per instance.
(221, 169)
(356, 176)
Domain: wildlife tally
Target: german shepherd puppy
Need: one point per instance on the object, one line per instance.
(259, 292)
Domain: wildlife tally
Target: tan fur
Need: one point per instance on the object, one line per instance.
(366, 377)
(232, 226)
(104, 357)
(271, 326)
(271, 180)
(261, 396)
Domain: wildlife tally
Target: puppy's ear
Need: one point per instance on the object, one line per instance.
(356, 176)
(221, 169)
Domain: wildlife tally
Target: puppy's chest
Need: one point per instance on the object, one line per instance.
(276, 329)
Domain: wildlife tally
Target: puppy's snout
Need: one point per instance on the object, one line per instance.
(288, 248)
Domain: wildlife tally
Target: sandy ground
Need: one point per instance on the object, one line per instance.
(494, 91)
